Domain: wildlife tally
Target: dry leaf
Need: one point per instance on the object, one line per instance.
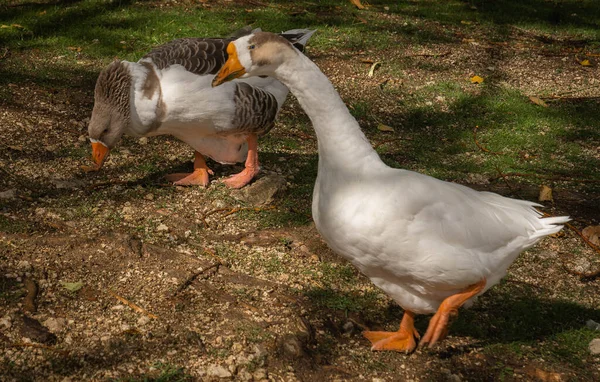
(382, 127)
(466, 22)
(358, 4)
(72, 287)
(373, 67)
(592, 233)
(468, 40)
(17, 26)
(42, 13)
(545, 194)
(585, 63)
(74, 48)
(538, 101)
(366, 60)
(476, 80)
(545, 376)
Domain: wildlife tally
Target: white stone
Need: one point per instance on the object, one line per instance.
(162, 228)
(55, 325)
(595, 346)
(219, 372)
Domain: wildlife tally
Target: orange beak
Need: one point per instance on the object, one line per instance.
(99, 152)
(232, 68)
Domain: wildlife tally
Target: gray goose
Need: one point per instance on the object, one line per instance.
(168, 91)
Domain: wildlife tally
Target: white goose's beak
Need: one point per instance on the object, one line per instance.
(232, 68)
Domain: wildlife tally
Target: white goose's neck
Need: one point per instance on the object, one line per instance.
(342, 144)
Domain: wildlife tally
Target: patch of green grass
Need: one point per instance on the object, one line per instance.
(254, 333)
(167, 373)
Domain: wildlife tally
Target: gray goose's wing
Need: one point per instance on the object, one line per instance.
(196, 55)
(255, 109)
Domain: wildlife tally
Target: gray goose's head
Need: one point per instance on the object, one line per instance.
(110, 116)
(257, 54)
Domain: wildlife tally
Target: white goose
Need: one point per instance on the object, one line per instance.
(168, 92)
(431, 245)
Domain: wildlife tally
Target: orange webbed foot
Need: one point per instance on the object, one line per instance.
(403, 340)
(241, 179)
(197, 178)
(397, 341)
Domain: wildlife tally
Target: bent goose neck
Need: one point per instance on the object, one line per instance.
(342, 145)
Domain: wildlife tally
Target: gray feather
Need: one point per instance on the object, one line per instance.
(255, 109)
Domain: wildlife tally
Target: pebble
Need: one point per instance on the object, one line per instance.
(348, 326)
(149, 197)
(260, 374)
(143, 320)
(55, 325)
(143, 141)
(162, 228)
(244, 375)
(25, 266)
(8, 194)
(595, 346)
(6, 322)
(219, 372)
(593, 325)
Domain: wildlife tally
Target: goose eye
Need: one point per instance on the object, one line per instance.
(251, 47)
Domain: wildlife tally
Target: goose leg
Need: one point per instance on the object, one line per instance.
(438, 325)
(197, 178)
(252, 167)
(403, 340)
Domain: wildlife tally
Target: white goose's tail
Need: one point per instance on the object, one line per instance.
(551, 225)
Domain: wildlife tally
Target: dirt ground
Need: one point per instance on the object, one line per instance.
(119, 276)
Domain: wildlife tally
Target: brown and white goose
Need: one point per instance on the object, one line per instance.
(169, 91)
(431, 245)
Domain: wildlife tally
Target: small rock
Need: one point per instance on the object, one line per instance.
(244, 375)
(348, 327)
(6, 322)
(8, 194)
(82, 138)
(143, 141)
(291, 346)
(219, 372)
(149, 197)
(143, 320)
(260, 374)
(55, 325)
(24, 266)
(128, 210)
(378, 380)
(162, 228)
(262, 191)
(237, 347)
(595, 346)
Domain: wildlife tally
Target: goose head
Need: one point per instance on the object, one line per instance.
(257, 54)
(110, 116)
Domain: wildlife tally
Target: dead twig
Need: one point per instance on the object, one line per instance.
(195, 275)
(479, 145)
(29, 304)
(4, 54)
(133, 306)
(429, 54)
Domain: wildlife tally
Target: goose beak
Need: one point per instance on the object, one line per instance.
(232, 68)
(99, 152)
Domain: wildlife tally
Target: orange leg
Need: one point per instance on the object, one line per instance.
(197, 178)
(438, 325)
(403, 340)
(252, 167)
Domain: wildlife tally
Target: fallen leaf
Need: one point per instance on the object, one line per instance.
(466, 22)
(373, 67)
(538, 101)
(585, 63)
(476, 80)
(468, 40)
(382, 127)
(72, 287)
(358, 4)
(366, 60)
(42, 13)
(544, 376)
(545, 194)
(362, 21)
(74, 48)
(17, 26)
(592, 233)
